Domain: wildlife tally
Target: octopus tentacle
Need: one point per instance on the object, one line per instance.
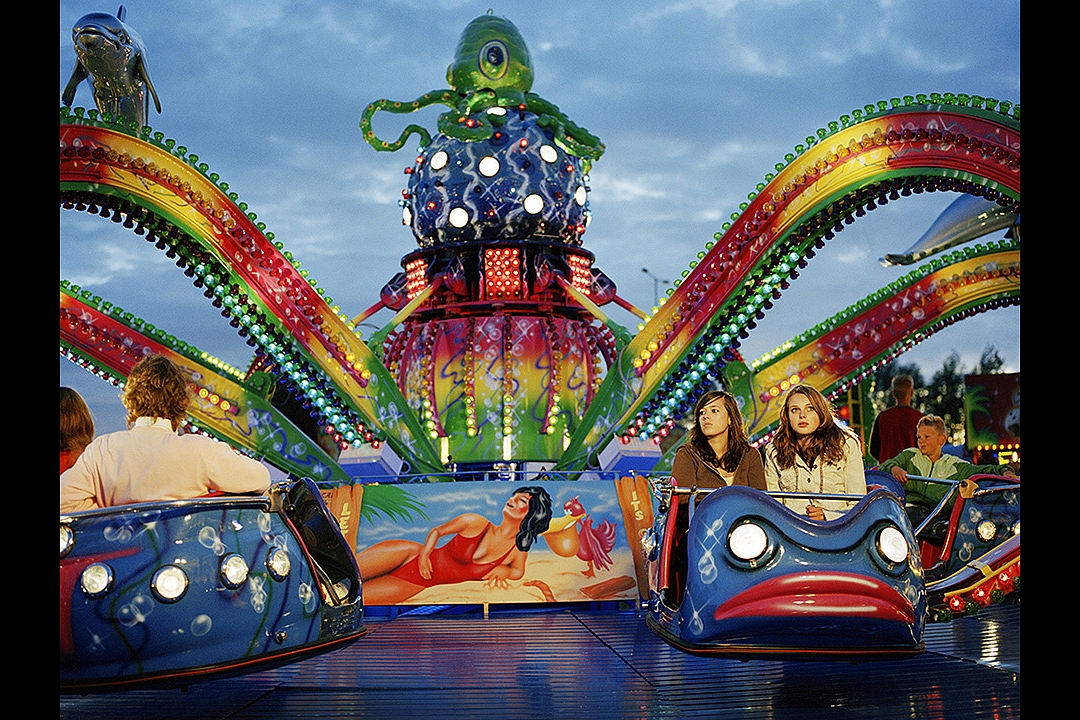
(569, 136)
(460, 126)
(449, 98)
(472, 121)
(481, 100)
(468, 119)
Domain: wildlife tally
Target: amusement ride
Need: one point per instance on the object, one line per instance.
(500, 353)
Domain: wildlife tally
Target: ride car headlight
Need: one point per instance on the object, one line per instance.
(67, 540)
(748, 541)
(96, 580)
(277, 562)
(169, 584)
(234, 571)
(986, 530)
(892, 544)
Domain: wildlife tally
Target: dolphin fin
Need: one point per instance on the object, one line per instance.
(77, 76)
(144, 74)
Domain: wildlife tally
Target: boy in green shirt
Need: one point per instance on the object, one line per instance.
(928, 460)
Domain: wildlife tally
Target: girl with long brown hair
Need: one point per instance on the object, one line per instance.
(718, 452)
(812, 453)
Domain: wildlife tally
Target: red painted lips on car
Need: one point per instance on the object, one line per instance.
(819, 593)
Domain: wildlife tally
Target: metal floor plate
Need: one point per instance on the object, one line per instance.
(592, 665)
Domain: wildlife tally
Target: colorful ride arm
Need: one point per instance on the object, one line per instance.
(167, 194)
(836, 354)
(950, 143)
(227, 406)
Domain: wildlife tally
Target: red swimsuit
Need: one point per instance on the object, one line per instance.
(451, 563)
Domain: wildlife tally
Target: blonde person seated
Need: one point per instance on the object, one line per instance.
(150, 461)
(718, 452)
(928, 459)
(811, 453)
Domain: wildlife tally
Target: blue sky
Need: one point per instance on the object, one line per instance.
(695, 100)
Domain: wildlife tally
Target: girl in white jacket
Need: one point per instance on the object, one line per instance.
(811, 453)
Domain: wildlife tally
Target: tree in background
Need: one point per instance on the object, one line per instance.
(944, 395)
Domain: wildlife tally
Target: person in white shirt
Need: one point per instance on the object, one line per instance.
(811, 453)
(149, 461)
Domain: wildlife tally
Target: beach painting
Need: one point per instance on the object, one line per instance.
(500, 542)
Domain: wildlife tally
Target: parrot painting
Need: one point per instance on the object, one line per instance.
(596, 542)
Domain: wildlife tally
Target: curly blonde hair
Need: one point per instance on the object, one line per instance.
(158, 388)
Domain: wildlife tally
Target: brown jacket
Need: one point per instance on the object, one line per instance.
(689, 469)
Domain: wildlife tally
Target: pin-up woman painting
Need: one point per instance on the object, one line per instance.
(393, 571)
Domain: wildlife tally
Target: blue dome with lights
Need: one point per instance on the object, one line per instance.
(515, 185)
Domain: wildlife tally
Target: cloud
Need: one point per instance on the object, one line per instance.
(858, 255)
(628, 190)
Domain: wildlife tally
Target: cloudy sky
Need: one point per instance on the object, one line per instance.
(696, 101)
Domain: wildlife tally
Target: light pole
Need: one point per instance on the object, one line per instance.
(655, 285)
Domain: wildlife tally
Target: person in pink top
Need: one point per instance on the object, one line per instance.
(150, 461)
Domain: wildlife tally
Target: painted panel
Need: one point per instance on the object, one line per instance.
(587, 553)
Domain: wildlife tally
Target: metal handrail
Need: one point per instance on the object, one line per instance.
(947, 498)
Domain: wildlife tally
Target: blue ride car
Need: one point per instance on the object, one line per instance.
(735, 573)
(171, 593)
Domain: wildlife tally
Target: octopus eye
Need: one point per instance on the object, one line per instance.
(493, 59)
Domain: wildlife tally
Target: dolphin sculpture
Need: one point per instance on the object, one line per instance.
(113, 57)
(968, 217)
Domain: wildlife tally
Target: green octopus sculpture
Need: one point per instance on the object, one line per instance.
(492, 71)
